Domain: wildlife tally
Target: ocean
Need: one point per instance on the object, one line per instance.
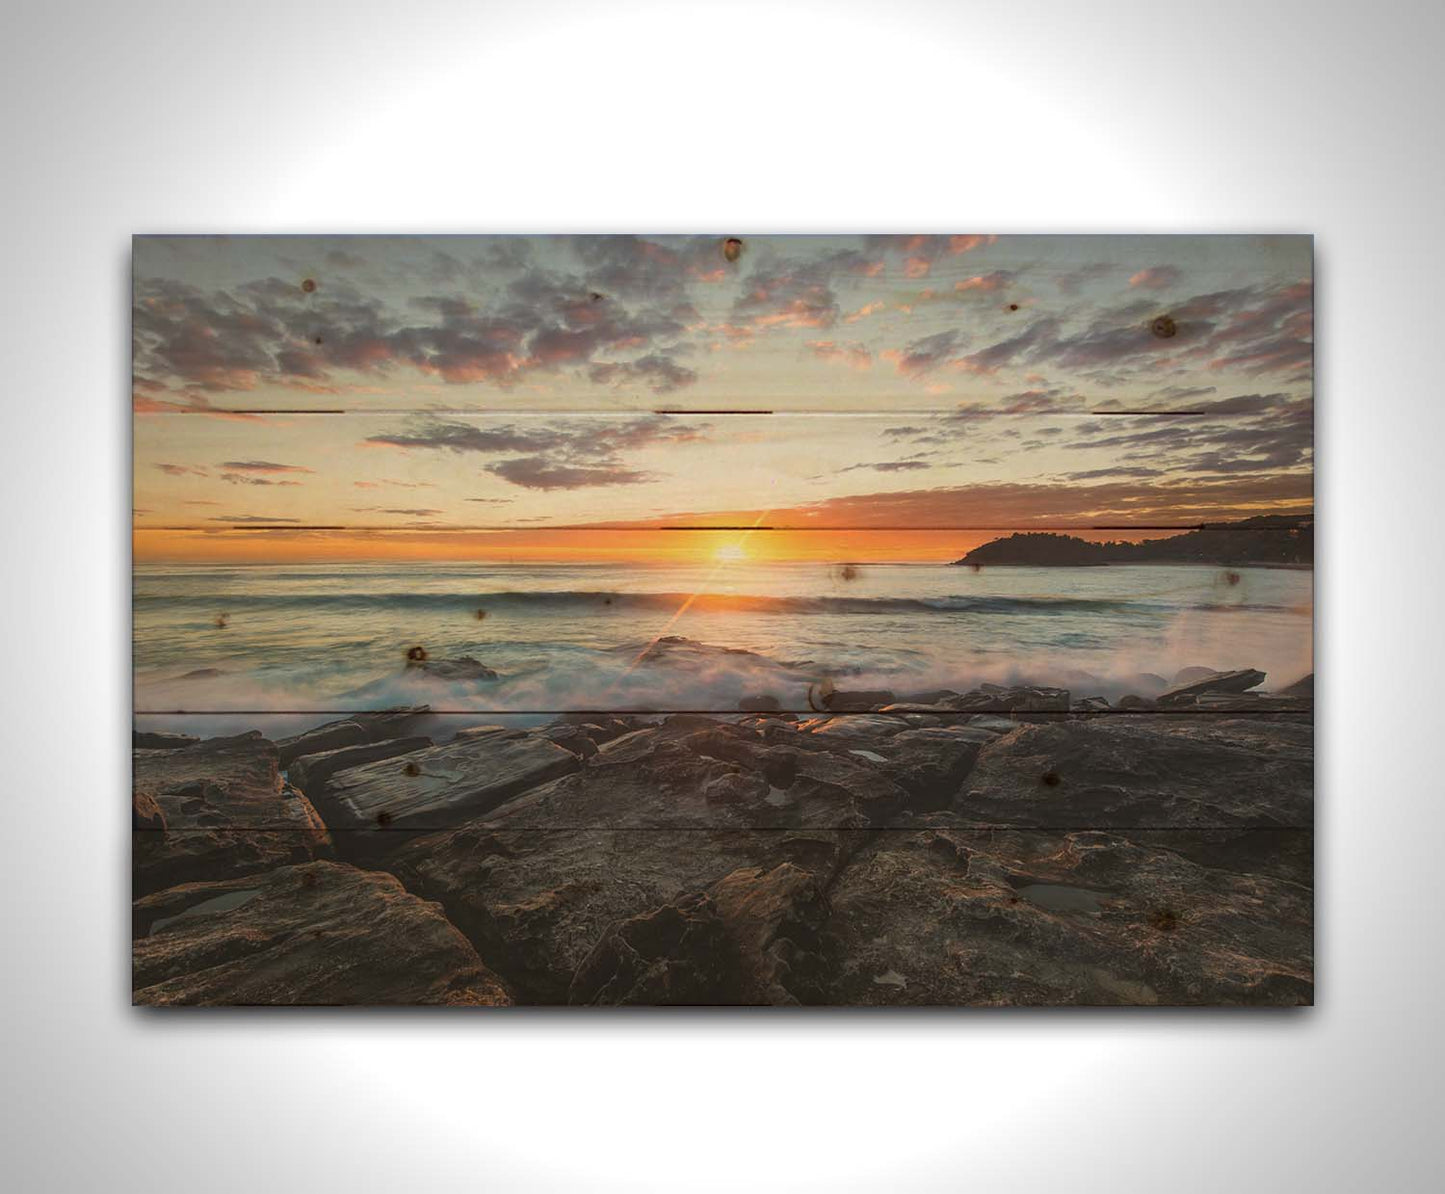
(307, 640)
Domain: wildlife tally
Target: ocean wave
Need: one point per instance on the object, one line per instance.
(597, 601)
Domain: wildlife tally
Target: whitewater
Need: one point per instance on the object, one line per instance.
(304, 640)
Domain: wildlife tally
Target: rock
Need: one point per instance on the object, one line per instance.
(145, 812)
(1018, 699)
(856, 701)
(762, 703)
(954, 917)
(599, 728)
(332, 736)
(1131, 701)
(933, 698)
(310, 772)
(750, 938)
(1303, 687)
(442, 786)
(859, 726)
(1151, 683)
(1092, 704)
(931, 764)
(1232, 682)
(538, 905)
(404, 721)
(676, 954)
(464, 667)
(661, 778)
(996, 725)
(1188, 675)
(322, 933)
(151, 740)
(225, 810)
(1144, 771)
(573, 738)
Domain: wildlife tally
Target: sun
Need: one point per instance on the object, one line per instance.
(729, 553)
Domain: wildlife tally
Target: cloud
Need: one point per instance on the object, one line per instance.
(1251, 329)
(797, 292)
(988, 283)
(393, 483)
(1075, 280)
(251, 518)
(925, 354)
(1024, 345)
(1157, 277)
(182, 470)
(1095, 474)
(853, 354)
(536, 472)
(270, 332)
(244, 479)
(927, 248)
(790, 295)
(660, 374)
(1179, 393)
(559, 455)
(412, 512)
(890, 466)
(652, 270)
(1030, 504)
(1250, 433)
(261, 466)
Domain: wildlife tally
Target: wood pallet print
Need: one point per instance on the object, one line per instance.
(801, 620)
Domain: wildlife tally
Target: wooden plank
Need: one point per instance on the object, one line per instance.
(900, 323)
(844, 917)
(716, 622)
(1176, 770)
(424, 473)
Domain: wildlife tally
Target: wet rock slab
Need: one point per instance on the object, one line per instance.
(321, 933)
(1143, 771)
(716, 919)
(949, 917)
(444, 785)
(310, 772)
(695, 772)
(217, 808)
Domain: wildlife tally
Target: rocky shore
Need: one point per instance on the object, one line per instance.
(1005, 845)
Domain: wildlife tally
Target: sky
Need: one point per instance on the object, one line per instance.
(507, 397)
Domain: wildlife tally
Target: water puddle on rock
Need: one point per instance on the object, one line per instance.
(777, 797)
(1059, 897)
(872, 755)
(220, 903)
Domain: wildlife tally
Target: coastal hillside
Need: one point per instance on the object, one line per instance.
(1270, 539)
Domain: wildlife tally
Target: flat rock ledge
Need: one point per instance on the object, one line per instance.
(322, 933)
(936, 850)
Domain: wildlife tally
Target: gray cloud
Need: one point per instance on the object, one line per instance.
(536, 472)
(560, 455)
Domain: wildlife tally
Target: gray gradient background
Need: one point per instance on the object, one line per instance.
(906, 116)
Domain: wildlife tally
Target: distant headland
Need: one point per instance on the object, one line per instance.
(1271, 540)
